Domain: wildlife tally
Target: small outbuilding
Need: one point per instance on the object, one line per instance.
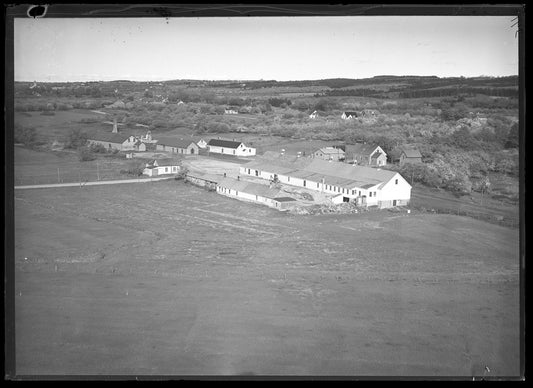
(410, 155)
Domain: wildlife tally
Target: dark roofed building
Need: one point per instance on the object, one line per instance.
(349, 115)
(410, 155)
(230, 147)
(224, 143)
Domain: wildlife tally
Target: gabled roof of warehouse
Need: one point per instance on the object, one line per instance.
(249, 187)
(224, 143)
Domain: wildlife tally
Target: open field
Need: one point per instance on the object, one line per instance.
(167, 278)
(43, 167)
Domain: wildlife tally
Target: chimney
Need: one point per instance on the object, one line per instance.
(115, 126)
(234, 140)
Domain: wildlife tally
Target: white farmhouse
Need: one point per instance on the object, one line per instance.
(342, 182)
(229, 147)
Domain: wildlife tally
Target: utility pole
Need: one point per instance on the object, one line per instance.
(97, 172)
(58, 176)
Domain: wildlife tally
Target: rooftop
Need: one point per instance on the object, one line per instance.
(411, 152)
(224, 143)
(331, 150)
(175, 141)
(318, 170)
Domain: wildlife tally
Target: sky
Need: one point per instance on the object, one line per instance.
(269, 48)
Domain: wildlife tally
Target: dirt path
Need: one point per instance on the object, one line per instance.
(98, 183)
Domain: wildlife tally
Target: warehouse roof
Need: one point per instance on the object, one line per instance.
(314, 169)
(249, 187)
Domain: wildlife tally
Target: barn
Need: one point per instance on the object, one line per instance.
(341, 182)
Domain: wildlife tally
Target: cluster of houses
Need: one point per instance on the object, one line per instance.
(185, 146)
(364, 154)
(348, 115)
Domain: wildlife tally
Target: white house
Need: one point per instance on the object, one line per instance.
(342, 182)
(229, 147)
(313, 115)
(202, 144)
(365, 154)
(230, 111)
(349, 115)
(154, 169)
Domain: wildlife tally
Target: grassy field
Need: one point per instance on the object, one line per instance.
(167, 278)
(42, 167)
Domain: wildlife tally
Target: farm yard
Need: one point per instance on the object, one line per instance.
(170, 279)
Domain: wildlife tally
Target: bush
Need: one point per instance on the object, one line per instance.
(24, 135)
(98, 149)
(182, 173)
(85, 154)
(48, 113)
(76, 138)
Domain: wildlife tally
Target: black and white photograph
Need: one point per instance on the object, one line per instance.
(260, 192)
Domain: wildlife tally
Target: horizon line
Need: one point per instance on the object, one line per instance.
(273, 80)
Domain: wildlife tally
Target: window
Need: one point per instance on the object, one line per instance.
(236, 192)
(375, 194)
(288, 179)
(222, 150)
(359, 192)
(249, 150)
(353, 192)
(304, 183)
(370, 194)
(317, 185)
(233, 152)
(248, 171)
(256, 173)
(396, 181)
(166, 169)
(256, 198)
